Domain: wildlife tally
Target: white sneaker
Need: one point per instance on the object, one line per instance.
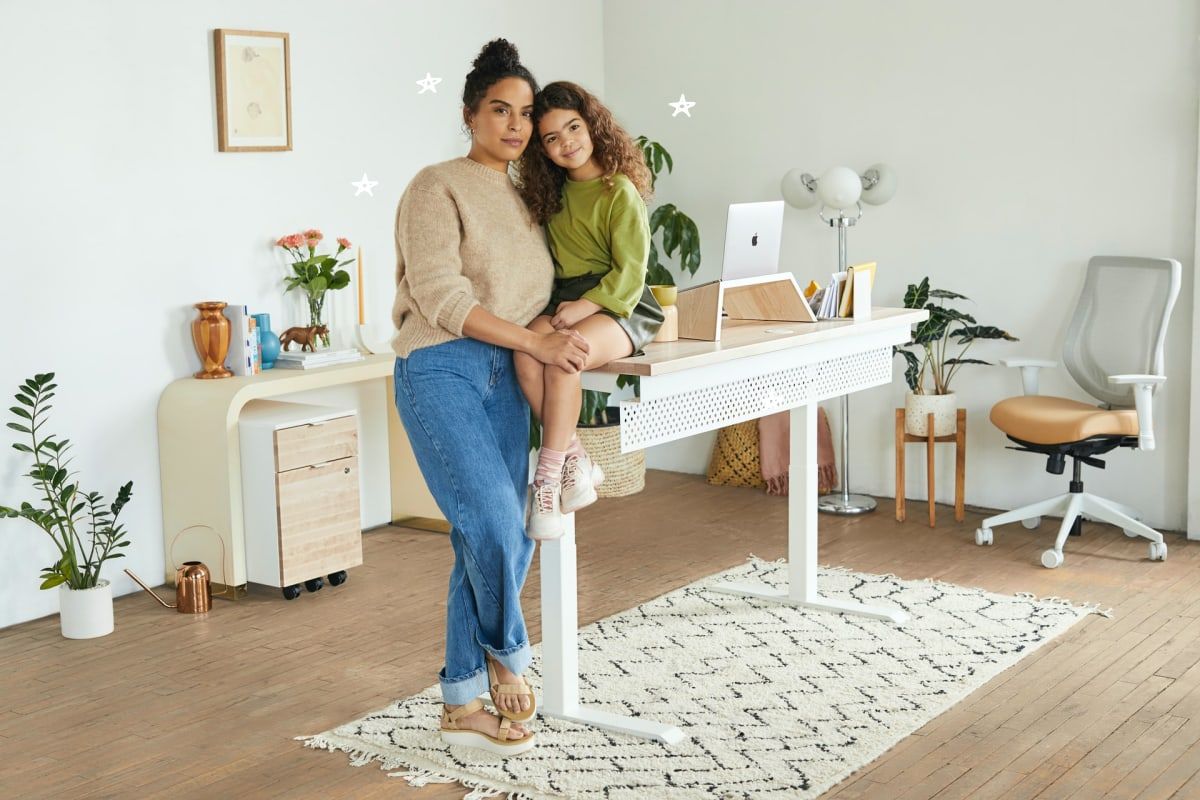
(580, 477)
(545, 515)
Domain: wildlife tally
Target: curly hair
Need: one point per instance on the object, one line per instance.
(541, 181)
(497, 60)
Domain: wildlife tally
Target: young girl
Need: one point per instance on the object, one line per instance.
(584, 178)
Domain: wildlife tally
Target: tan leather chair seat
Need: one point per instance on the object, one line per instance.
(1057, 420)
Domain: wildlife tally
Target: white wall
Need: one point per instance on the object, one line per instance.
(119, 212)
(1027, 136)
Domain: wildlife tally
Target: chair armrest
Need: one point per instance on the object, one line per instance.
(1143, 391)
(1029, 370)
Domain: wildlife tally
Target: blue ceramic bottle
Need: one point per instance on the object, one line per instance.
(268, 342)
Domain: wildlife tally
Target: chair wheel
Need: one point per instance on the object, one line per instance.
(1052, 559)
(1031, 523)
(983, 536)
(1158, 551)
(291, 592)
(315, 584)
(337, 578)
(1131, 534)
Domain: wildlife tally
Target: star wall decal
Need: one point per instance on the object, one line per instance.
(428, 84)
(364, 185)
(683, 106)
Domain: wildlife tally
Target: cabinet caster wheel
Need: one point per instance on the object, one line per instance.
(337, 578)
(1052, 559)
(1158, 551)
(291, 592)
(983, 536)
(1031, 523)
(315, 584)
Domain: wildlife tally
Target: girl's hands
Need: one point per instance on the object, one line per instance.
(564, 349)
(572, 312)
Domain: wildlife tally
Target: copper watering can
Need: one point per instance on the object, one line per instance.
(193, 589)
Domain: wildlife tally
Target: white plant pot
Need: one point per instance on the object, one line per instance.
(86, 613)
(918, 407)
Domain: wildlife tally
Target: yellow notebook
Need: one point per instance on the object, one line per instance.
(847, 307)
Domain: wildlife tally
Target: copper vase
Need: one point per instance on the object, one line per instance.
(210, 333)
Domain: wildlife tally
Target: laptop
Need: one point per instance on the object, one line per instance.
(753, 232)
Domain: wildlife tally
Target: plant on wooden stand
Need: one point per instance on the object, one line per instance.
(930, 364)
(68, 512)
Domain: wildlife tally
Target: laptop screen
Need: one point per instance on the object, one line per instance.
(752, 237)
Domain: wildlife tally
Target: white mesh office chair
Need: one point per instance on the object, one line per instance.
(1119, 327)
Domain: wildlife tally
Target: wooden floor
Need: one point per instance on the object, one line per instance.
(178, 706)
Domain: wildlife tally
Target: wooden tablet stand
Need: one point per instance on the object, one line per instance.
(766, 298)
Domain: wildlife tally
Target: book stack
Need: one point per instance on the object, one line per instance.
(837, 302)
(244, 357)
(298, 359)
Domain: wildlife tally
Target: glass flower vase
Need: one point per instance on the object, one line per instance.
(316, 317)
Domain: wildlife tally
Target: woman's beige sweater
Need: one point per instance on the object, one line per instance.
(464, 238)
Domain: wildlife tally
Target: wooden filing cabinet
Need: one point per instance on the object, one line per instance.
(300, 490)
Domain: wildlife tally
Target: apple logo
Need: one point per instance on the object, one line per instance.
(754, 240)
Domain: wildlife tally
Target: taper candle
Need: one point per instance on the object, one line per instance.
(362, 313)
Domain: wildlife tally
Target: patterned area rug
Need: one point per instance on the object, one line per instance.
(774, 701)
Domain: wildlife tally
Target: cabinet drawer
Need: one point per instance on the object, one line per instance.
(319, 526)
(315, 443)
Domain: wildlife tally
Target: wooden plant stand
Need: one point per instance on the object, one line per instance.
(959, 437)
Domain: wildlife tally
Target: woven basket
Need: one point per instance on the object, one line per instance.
(624, 473)
(735, 460)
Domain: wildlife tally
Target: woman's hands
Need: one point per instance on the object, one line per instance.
(572, 312)
(565, 349)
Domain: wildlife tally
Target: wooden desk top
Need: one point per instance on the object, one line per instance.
(741, 338)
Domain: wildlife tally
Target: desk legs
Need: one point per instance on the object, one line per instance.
(802, 533)
(560, 648)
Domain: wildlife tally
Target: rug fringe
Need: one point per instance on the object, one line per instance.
(413, 775)
(421, 777)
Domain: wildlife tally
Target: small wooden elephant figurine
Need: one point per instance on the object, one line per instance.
(305, 337)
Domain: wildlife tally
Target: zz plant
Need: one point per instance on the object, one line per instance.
(66, 512)
(930, 363)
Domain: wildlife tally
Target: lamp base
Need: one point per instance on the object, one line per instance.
(845, 504)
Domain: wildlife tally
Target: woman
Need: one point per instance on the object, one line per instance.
(472, 271)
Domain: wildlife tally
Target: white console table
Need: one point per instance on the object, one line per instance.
(200, 460)
(688, 387)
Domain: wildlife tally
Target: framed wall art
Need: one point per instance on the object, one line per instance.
(254, 91)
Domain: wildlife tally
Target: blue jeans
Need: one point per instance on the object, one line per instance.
(468, 423)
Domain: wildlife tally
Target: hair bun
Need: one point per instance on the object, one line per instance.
(498, 55)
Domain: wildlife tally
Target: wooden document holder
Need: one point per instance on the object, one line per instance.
(768, 298)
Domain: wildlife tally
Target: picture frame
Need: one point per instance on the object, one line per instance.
(254, 91)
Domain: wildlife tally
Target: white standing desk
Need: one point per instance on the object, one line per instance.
(688, 387)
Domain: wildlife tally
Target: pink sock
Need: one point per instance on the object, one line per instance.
(549, 468)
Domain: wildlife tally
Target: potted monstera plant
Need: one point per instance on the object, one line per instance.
(82, 525)
(937, 352)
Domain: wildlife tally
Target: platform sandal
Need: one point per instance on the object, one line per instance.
(468, 737)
